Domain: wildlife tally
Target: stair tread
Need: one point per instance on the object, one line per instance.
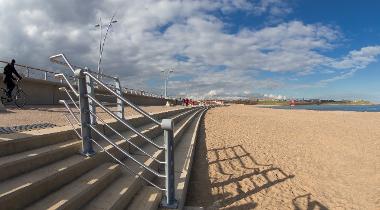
(146, 199)
(111, 194)
(122, 187)
(74, 189)
(28, 179)
(35, 176)
(35, 152)
(40, 179)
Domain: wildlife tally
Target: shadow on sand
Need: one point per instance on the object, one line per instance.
(304, 202)
(243, 175)
(232, 169)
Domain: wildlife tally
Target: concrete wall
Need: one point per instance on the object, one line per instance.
(42, 92)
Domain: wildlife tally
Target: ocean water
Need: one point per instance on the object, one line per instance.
(353, 108)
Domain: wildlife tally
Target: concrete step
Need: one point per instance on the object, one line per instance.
(120, 193)
(39, 181)
(16, 164)
(28, 140)
(23, 190)
(78, 192)
(148, 198)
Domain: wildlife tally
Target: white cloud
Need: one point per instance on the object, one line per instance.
(350, 64)
(149, 34)
(358, 59)
(273, 96)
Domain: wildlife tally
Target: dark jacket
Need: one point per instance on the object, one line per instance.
(9, 70)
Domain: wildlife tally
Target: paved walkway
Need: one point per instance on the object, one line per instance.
(55, 114)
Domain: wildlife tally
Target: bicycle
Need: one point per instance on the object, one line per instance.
(18, 96)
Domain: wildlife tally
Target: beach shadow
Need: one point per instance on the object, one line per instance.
(242, 175)
(234, 153)
(235, 176)
(304, 202)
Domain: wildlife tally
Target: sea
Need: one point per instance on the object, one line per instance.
(353, 108)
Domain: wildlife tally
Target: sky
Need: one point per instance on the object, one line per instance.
(217, 48)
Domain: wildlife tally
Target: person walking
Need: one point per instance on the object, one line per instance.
(9, 70)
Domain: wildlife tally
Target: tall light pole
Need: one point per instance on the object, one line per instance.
(166, 78)
(103, 40)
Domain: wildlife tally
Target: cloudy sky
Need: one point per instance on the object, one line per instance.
(218, 48)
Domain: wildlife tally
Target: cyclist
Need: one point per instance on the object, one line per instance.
(9, 70)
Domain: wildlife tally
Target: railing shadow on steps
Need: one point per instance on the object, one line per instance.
(86, 104)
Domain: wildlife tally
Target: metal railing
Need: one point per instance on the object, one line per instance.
(44, 74)
(84, 92)
(32, 72)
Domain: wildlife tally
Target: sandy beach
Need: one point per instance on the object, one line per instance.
(249, 157)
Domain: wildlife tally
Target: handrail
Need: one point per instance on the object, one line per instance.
(29, 67)
(71, 98)
(125, 123)
(102, 75)
(69, 109)
(125, 139)
(123, 99)
(77, 120)
(73, 115)
(125, 153)
(88, 104)
(68, 83)
(129, 168)
(54, 59)
(75, 130)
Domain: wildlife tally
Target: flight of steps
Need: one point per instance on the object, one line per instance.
(45, 170)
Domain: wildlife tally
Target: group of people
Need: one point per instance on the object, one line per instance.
(187, 102)
(9, 79)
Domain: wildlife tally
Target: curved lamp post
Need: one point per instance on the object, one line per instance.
(103, 40)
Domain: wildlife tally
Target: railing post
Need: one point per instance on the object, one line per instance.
(120, 103)
(168, 127)
(91, 92)
(84, 114)
(45, 75)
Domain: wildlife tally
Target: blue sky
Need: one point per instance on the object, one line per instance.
(218, 48)
(358, 24)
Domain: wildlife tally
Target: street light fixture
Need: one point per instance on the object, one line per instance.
(166, 78)
(103, 40)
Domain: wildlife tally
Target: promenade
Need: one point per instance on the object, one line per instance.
(55, 114)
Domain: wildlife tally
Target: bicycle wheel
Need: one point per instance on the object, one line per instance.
(3, 100)
(20, 98)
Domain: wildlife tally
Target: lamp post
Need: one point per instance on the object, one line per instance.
(166, 78)
(103, 40)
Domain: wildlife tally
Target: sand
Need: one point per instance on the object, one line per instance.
(55, 114)
(249, 157)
